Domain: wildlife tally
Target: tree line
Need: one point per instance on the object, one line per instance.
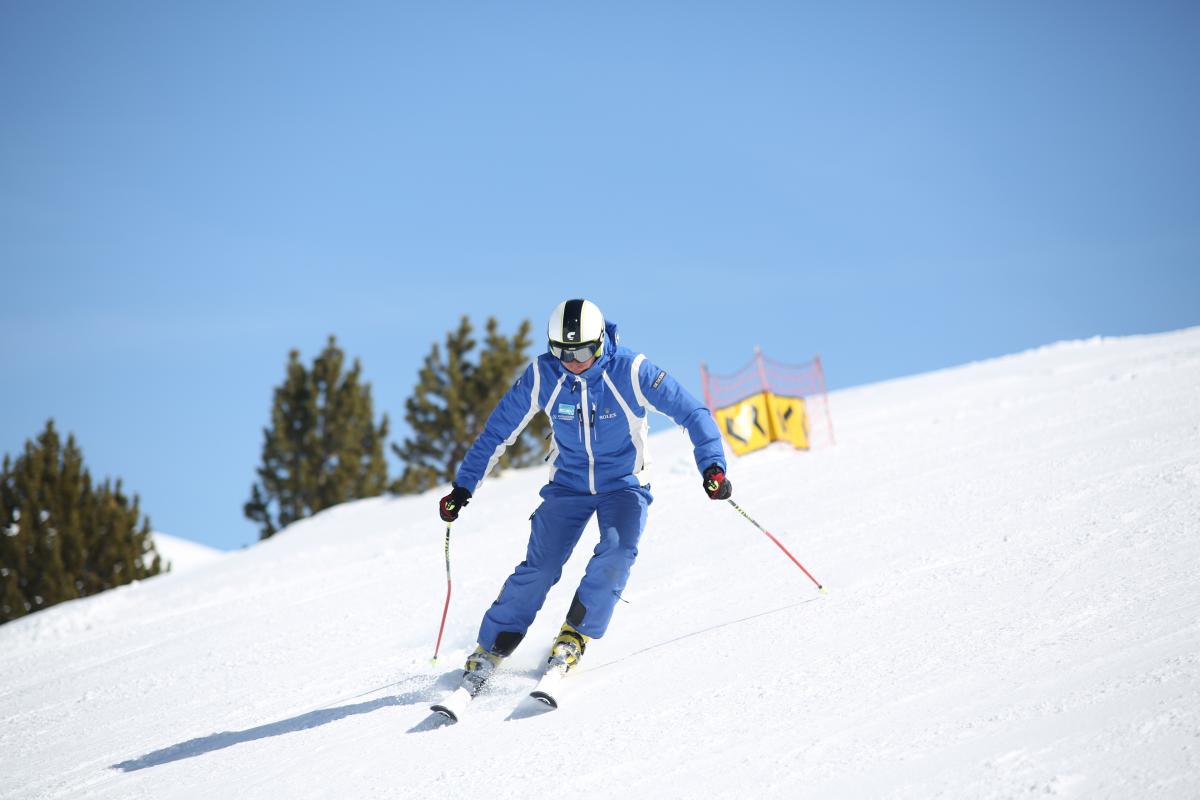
(63, 536)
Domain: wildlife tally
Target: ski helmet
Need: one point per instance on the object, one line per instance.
(576, 330)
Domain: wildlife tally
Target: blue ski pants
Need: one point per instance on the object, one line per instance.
(556, 527)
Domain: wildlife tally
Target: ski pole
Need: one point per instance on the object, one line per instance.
(778, 543)
(446, 608)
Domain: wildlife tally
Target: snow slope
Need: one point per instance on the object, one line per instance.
(1010, 547)
(183, 554)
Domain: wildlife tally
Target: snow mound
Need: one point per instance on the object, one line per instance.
(184, 555)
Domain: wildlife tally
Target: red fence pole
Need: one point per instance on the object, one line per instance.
(762, 368)
(824, 397)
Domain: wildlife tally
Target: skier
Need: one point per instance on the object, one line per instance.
(597, 395)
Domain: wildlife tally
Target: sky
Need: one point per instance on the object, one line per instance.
(190, 190)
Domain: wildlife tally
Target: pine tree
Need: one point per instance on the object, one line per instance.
(61, 537)
(451, 403)
(323, 447)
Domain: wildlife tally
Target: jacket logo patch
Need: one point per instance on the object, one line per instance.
(566, 411)
(608, 414)
(658, 379)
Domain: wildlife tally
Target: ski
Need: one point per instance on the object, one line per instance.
(544, 696)
(478, 669)
(548, 688)
(453, 706)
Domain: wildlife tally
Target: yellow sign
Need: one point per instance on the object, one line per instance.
(790, 419)
(746, 425)
(761, 419)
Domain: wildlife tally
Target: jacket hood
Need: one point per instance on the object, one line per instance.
(614, 338)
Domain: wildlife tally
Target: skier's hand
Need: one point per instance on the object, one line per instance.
(716, 484)
(449, 506)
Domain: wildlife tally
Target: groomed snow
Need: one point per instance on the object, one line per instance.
(1011, 551)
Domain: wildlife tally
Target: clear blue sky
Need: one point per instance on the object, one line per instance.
(189, 190)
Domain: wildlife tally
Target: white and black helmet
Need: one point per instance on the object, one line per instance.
(576, 330)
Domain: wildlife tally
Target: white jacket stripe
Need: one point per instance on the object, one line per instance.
(637, 384)
(553, 396)
(553, 457)
(638, 428)
(512, 437)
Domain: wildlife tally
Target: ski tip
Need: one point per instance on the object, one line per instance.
(450, 716)
(542, 697)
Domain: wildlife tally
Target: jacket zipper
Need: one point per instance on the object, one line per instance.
(587, 438)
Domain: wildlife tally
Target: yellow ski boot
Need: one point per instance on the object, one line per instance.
(564, 656)
(567, 649)
(479, 667)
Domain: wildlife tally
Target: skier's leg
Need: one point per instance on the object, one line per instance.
(555, 529)
(622, 516)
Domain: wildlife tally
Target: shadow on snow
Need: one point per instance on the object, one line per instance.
(306, 721)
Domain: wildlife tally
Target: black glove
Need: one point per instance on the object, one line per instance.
(449, 505)
(716, 484)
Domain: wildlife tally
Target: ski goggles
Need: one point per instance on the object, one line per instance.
(575, 352)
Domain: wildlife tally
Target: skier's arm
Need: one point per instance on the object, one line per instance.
(664, 395)
(507, 420)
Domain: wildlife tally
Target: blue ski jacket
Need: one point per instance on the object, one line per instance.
(599, 420)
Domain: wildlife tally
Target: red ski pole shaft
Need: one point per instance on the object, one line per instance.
(778, 544)
(446, 608)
